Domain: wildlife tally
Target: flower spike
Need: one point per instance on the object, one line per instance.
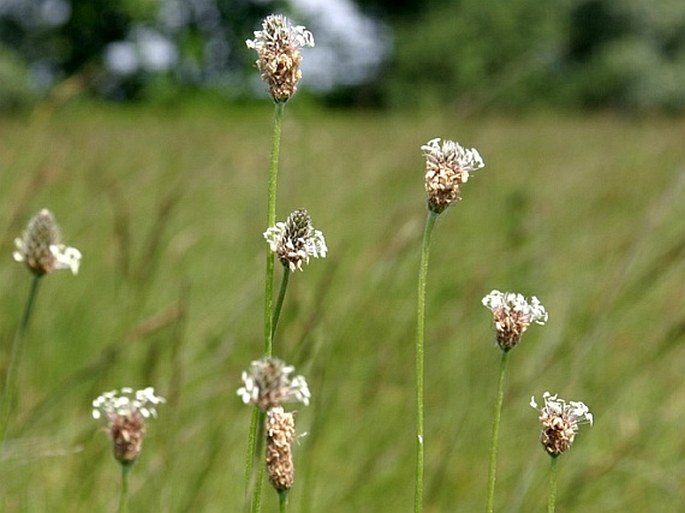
(296, 241)
(560, 421)
(512, 314)
(41, 249)
(278, 46)
(448, 166)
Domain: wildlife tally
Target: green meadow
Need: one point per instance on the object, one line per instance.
(168, 208)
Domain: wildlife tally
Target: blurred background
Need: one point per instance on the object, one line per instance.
(626, 54)
(144, 126)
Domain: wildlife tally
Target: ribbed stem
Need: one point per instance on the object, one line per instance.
(123, 497)
(551, 502)
(250, 457)
(495, 433)
(279, 301)
(270, 221)
(9, 394)
(282, 501)
(260, 460)
(420, 326)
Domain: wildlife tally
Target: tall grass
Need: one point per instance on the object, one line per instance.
(168, 210)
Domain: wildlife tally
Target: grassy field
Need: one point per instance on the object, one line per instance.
(168, 210)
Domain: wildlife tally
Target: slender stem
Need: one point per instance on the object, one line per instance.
(552, 485)
(260, 460)
(270, 221)
(495, 432)
(15, 357)
(282, 501)
(421, 313)
(250, 457)
(279, 301)
(123, 498)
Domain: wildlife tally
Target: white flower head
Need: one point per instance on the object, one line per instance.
(448, 166)
(560, 421)
(512, 314)
(296, 241)
(126, 411)
(278, 46)
(127, 402)
(40, 246)
(268, 384)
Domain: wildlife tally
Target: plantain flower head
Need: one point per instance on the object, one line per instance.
(560, 421)
(512, 314)
(280, 434)
(126, 411)
(448, 166)
(296, 241)
(268, 384)
(41, 249)
(278, 47)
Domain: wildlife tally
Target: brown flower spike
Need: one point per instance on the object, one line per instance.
(126, 411)
(296, 241)
(280, 434)
(512, 314)
(560, 421)
(448, 166)
(278, 46)
(40, 246)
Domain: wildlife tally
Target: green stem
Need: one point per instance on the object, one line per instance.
(421, 314)
(552, 485)
(250, 457)
(282, 501)
(123, 498)
(15, 357)
(259, 459)
(279, 301)
(495, 432)
(270, 221)
(254, 450)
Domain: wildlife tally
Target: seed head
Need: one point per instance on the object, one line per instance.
(560, 421)
(278, 47)
(512, 314)
(448, 165)
(40, 246)
(126, 411)
(280, 433)
(296, 241)
(268, 384)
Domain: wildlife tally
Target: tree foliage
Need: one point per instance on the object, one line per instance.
(627, 54)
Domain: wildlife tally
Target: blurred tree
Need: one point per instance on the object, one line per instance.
(475, 51)
(628, 54)
(597, 53)
(14, 91)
